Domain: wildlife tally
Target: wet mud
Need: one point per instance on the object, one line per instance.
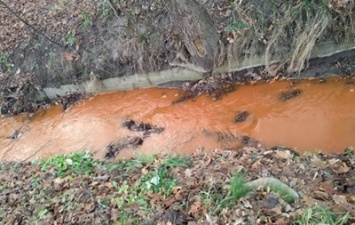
(322, 117)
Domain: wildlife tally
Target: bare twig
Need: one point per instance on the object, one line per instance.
(116, 11)
(34, 152)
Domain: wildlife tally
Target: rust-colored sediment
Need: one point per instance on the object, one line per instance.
(321, 117)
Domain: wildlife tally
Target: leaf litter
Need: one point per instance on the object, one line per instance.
(193, 189)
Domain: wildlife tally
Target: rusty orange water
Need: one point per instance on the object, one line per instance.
(321, 117)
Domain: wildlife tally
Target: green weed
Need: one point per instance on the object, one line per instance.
(36, 181)
(222, 197)
(238, 188)
(132, 19)
(5, 63)
(154, 180)
(129, 195)
(70, 38)
(177, 161)
(106, 8)
(128, 218)
(3, 187)
(141, 37)
(130, 165)
(76, 162)
(349, 151)
(34, 66)
(235, 26)
(147, 159)
(320, 215)
(4, 58)
(42, 213)
(214, 195)
(158, 181)
(86, 18)
(308, 154)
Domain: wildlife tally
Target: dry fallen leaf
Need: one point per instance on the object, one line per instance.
(321, 195)
(68, 56)
(339, 199)
(195, 208)
(338, 166)
(283, 154)
(188, 172)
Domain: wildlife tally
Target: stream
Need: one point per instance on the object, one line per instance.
(305, 115)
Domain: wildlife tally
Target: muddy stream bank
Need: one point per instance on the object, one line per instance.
(305, 115)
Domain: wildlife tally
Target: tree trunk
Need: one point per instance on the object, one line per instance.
(197, 30)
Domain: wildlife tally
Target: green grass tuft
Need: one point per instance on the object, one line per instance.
(176, 161)
(76, 162)
(238, 188)
(320, 215)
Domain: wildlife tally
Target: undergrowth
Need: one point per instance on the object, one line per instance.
(238, 188)
(321, 215)
(285, 31)
(157, 179)
(76, 163)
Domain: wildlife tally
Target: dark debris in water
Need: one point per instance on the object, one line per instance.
(241, 116)
(215, 86)
(146, 128)
(185, 97)
(16, 134)
(114, 149)
(284, 96)
(70, 99)
(229, 138)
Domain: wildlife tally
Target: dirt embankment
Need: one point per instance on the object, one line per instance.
(70, 42)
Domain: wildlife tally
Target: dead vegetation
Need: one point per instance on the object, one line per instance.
(248, 186)
(286, 31)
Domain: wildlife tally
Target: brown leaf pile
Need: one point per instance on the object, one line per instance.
(50, 17)
(29, 195)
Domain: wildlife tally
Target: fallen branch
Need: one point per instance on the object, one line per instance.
(272, 182)
(116, 11)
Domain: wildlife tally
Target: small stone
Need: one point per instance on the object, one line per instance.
(69, 162)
